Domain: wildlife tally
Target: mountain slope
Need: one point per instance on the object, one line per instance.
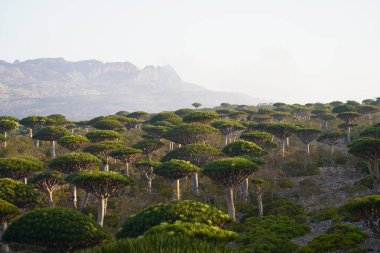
(90, 88)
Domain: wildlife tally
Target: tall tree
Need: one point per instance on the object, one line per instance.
(102, 149)
(148, 146)
(326, 117)
(147, 169)
(103, 135)
(373, 132)
(126, 155)
(52, 134)
(19, 168)
(258, 182)
(307, 135)
(281, 131)
(230, 172)
(33, 123)
(7, 213)
(368, 110)
(229, 128)
(7, 125)
(109, 124)
(175, 170)
(205, 117)
(196, 105)
(190, 133)
(72, 142)
(368, 149)
(102, 184)
(348, 118)
(258, 137)
(331, 139)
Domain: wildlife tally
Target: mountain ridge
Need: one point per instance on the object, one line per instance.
(84, 89)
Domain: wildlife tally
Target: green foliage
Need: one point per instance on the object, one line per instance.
(138, 115)
(184, 111)
(241, 148)
(155, 131)
(196, 105)
(344, 108)
(307, 135)
(161, 244)
(7, 125)
(103, 148)
(149, 145)
(201, 117)
(197, 153)
(285, 183)
(365, 148)
(166, 116)
(258, 137)
(63, 230)
(58, 119)
(125, 154)
(17, 193)
(109, 124)
(331, 138)
(187, 211)
(373, 132)
(238, 115)
(270, 234)
(12, 118)
(192, 230)
(229, 171)
(72, 162)
(72, 142)
(100, 183)
(176, 169)
(330, 213)
(103, 135)
(19, 167)
(143, 164)
(281, 131)
(228, 126)
(47, 180)
(51, 133)
(190, 133)
(296, 168)
(7, 211)
(338, 237)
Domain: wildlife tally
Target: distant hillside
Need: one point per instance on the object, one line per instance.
(85, 89)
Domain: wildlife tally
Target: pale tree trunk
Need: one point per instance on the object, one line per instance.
(101, 211)
(195, 183)
(225, 137)
(259, 193)
(72, 130)
(283, 147)
(149, 157)
(308, 149)
(370, 117)
(179, 145)
(349, 135)
(332, 155)
(376, 181)
(327, 125)
(50, 199)
(105, 206)
(5, 141)
(177, 190)
(127, 168)
(74, 196)
(106, 167)
(30, 132)
(230, 203)
(25, 180)
(287, 142)
(244, 187)
(85, 201)
(53, 149)
(150, 185)
(38, 143)
(4, 246)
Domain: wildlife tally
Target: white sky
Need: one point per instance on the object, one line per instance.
(280, 50)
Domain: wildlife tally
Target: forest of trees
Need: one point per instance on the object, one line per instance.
(234, 178)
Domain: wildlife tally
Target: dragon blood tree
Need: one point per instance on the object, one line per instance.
(19, 168)
(72, 142)
(52, 134)
(7, 125)
(175, 170)
(281, 131)
(201, 117)
(148, 146)
(102, 149)
(198, 154)
(48, 182)
(229, 128)
(102, 184)
(73, 162)
(307, 135)
(190, 133)
(230, 172)
(103, 135)
(126, 155)
(147, 169)
(258, 137)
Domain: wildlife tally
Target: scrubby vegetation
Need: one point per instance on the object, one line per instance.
(245, 179)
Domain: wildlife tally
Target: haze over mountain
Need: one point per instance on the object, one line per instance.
(85, 89)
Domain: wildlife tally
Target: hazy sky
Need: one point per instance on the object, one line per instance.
(281, 50)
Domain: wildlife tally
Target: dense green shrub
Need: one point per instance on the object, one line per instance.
(193, 230)
(296, 168)
(285, 183)
(63, 230)
(187, 210)
(7, 211)
(17, 193)
(285, 207)
(330, 213)
(161, 244)
(270, 234)
(338, 237)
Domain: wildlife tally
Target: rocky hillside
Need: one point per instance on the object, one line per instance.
(86, 89)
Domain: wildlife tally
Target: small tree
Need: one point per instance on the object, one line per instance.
(190, 133)
(201, 117)
(7, 125)
(326, 117)
(7, 213)
(368, 149)
(183, 112)
(175, 170)
(103, 135)
(307, 135)
(196, 105)
(155, 131)
(33, 123)
(348, 118)
(109, 124)
(72, 142)
(52, 134)
(138, 115)
(368, 110)
(148, 146)
(147, 169)
(166, 116)
(71, 163)
(229, 128)
(19, 167)
(100, 183)
(48, 182)
(259, 137)
(58, 229)
(17, 193)
(331, 139)
(103, 149)
(230, 172)
(343, 108)
(373, 132)
(258, 182)
(240, 115)
(281, 131)
(126, 155)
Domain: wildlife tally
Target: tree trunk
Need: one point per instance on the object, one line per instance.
(38, 143)
(283, 147)
(244, 187)
(230, 203)
(101, 211)
(349, 135)
(84, 201)
(25, 180)
(225, 140)
(150, 186)
(127, 168)
(259, 193)
(308, 149)
(149, 157)
(287, 142)
(53, 149)
(50, 199)
(30, 132)
(5, 141)
(4, 246)
(376, 181)
(177, 189)
(195, 185)
(74, 196)
(327, 125)
(106, 167)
